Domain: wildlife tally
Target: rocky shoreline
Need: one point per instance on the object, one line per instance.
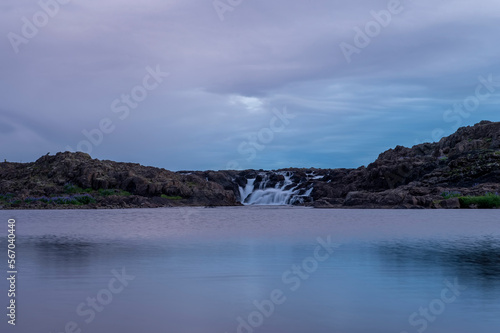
(460, 171)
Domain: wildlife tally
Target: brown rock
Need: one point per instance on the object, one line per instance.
(451, 203)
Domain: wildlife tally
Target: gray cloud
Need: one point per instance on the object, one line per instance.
(227, 76)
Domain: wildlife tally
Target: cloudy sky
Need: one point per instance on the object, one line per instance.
(185, 84)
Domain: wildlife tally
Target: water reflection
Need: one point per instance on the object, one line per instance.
(473, 260)
(72, 258)
(202, 275)
(62, 249)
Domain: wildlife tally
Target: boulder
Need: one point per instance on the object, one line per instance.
(452, 203)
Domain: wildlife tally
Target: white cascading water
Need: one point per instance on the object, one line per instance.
(279, 195)
(245, 192)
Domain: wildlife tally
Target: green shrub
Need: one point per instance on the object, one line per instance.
(109, 192)
(6, 197)
(72, 189)
(64, 201)
(489, 200)
(106, 193)
(84, 199)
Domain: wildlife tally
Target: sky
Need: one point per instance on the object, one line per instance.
(243, 84)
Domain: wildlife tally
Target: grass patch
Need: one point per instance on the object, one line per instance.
(76, 196)
(6, 197)
(72, 189)
(78, 200)
(84, 199)
(107, 193)
(164, 196)
(489, 200)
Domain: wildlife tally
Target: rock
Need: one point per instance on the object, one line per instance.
(322, 204)
(328, 203)
(452, 203)
(393, 197)
(466, 162)
(66, 174)
(359, 198)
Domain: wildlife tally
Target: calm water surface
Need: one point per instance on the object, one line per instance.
(256, 269)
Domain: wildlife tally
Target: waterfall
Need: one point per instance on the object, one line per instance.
(245, 192)
(284, 192)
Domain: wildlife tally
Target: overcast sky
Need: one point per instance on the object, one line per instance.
(250, 84)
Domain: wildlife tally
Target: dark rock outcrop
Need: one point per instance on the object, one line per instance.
(110, 184)
(466, 163)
